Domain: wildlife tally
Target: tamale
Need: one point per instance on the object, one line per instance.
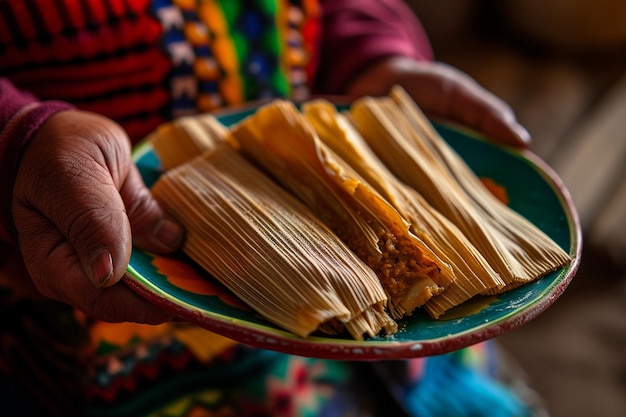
(269, 249)
(182, 139)
(472, 273)
(536, 252)
(408, 144)
(278, 138)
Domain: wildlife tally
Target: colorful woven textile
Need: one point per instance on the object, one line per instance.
(143, 62)
(226, 54)
(61, 363)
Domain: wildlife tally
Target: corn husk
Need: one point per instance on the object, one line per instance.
(184, 138)
(406, 142)
(279, 138)
(269, 249)
(472, 273)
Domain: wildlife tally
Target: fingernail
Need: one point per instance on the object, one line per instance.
(102, 269)
(169, 233)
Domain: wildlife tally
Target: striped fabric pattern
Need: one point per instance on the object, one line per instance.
(227, 52)
(142, 62)
(102, 55)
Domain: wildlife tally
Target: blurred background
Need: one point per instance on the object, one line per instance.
(561, 65)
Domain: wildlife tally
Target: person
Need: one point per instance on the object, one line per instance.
(80, 83)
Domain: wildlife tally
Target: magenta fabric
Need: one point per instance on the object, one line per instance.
(20, 116)
(357, 34)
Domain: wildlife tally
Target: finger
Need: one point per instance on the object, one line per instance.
(151, 229)
(58, 274)
(444, 92)
(464, 101)
(117, 303)
(452, 95)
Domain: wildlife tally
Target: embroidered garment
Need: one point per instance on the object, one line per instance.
(142, 63)
(228, 52)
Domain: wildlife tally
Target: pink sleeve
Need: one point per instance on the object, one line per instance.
(20, 116)
(357, 33)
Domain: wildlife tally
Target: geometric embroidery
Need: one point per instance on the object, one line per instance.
(227, 52)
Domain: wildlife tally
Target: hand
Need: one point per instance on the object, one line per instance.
(444, 92)
(78, 204)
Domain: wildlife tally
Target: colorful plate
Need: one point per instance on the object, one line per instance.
(533, 189)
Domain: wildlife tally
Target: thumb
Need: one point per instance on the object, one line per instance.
(151, 229)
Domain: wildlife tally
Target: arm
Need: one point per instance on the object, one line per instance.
(370, 45)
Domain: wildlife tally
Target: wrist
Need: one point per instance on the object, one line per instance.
(378, 78)
(20, 118)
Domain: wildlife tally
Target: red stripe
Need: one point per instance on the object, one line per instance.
(123, 106)
(147, 61)
(64, 15)
(23, 19)
(97, 13)
(145, 31)
(116, 7)
(78, 11)
(11, 24)
(96, 80)
(37, 13)
(75, 12)
(5, 34)
(311, 33)
(51, 17)
(138, 6)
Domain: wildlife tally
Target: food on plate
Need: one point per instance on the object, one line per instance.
(342, 220)
(269, 249)
(278, 138)
(399, 133)
(472, 273)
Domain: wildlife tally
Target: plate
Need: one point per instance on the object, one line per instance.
(533, 190)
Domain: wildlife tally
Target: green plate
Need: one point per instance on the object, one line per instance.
(534, 191)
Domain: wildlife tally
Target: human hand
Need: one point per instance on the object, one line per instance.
(444, 92)
(79, 204)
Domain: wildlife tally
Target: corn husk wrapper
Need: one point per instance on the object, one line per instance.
(472, 273)
(269, 249)
(408, 144)
(184, 138)
(278, 138)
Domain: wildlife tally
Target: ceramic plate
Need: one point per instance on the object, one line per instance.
(533, 190)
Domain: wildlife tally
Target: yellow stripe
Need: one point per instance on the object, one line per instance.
(230, 84)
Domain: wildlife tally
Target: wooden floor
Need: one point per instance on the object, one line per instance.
(575, 109)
